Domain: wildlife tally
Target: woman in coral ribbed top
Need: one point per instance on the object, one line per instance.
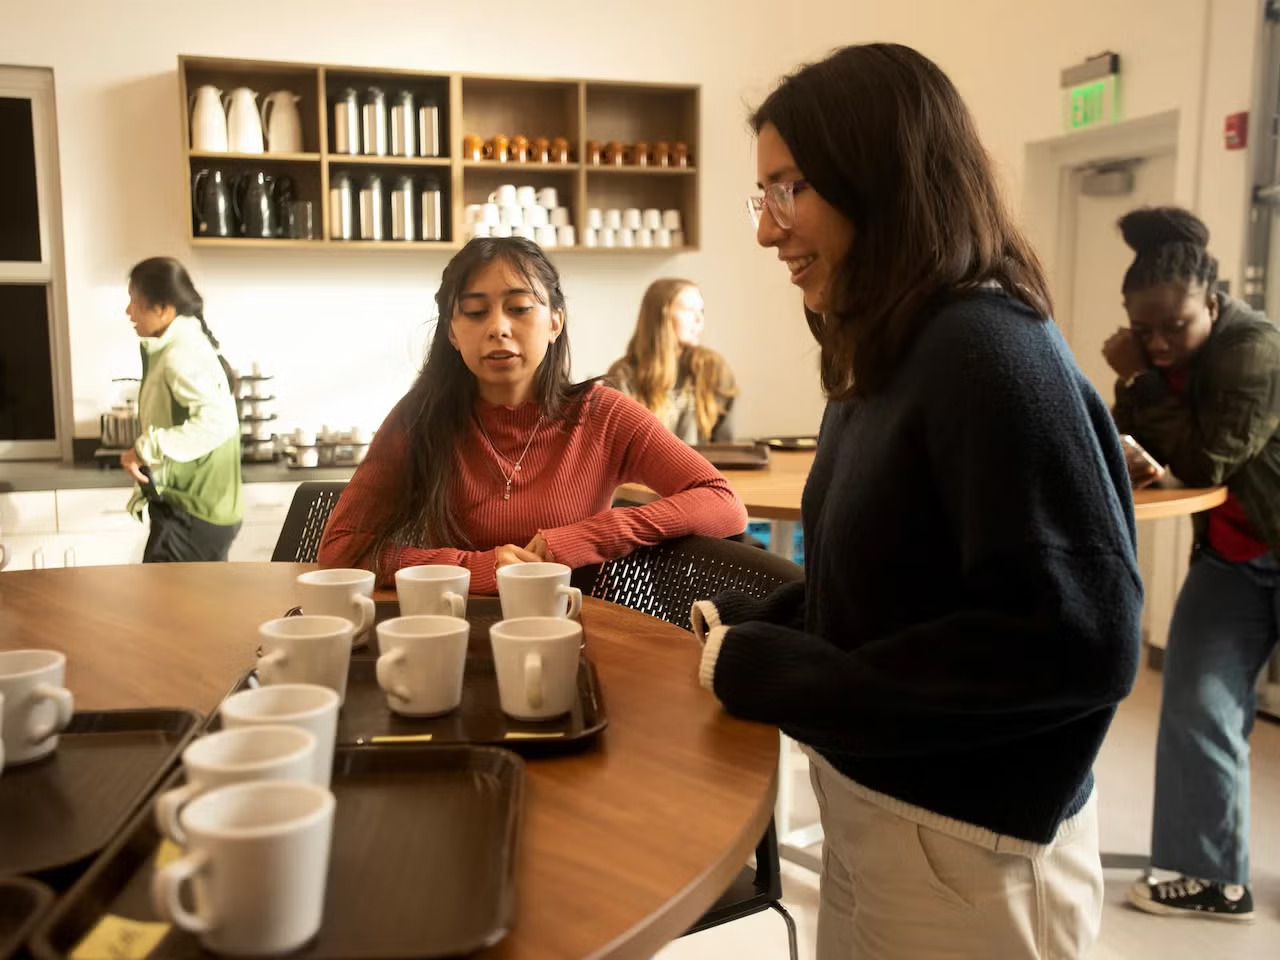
(495, 456)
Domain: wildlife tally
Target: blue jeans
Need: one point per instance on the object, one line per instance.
(1224, 630)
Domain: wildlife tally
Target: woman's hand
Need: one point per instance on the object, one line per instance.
(539, 547)
(129, 460)
(1124, 354)
(510, 554)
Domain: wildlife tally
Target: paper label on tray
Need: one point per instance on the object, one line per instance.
(407, 738)
(520, 735)
(118, 938)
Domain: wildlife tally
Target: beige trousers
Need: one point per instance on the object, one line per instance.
(902, 883)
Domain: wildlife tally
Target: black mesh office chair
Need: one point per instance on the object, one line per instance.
(663, 581)
(304, 524)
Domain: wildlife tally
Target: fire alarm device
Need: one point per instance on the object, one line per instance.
(1237, 131)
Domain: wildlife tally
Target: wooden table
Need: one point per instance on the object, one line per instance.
(623, 846)
(774, 493)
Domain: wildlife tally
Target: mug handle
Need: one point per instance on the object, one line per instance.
(365, 610)
(387, 668)
(575, 599)
(166, 891)
(168, 805)
(64, 705)
(268, 664)
(533, 679)
(456, 604)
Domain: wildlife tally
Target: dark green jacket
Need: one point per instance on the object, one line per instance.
(1226, 428)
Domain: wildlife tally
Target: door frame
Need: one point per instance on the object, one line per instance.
(1048, 214)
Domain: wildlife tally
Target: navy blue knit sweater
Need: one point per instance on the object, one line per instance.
(971, 611)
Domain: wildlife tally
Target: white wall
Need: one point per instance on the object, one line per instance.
(344, 330)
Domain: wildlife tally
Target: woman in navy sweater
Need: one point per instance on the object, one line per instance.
(970, 615)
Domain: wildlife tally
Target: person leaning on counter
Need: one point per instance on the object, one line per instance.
(495, 456)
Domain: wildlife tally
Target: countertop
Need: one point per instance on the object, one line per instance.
(54, 475)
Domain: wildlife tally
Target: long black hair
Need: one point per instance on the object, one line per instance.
(438, 408)
(164, 282)
(1170, 245)
(882, 134)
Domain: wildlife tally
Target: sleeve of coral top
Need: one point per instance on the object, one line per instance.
(695, 498)
(368, 502)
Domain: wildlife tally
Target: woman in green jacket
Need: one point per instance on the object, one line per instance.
(187, 457)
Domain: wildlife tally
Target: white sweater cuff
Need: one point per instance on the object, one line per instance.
(710, 654)
(704, 617)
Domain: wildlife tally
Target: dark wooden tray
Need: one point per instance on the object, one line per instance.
(22, 901)
(60, 811)
(422, 864)
(790, 443)
(735, 456)
(366, 719)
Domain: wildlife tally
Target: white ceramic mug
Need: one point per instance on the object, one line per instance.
(536, 216)
(548, 197)
(644, 238)
(236, 756)
(566, 236)
(536, 662)
(489, 214)
(559, 216)
(631, 218)
(537, 590)
(651, 218)
(613, 219)
(436, 589)
(304, 705)
(626, 238)
(595, 218)
(590, 237)
(259, 858)
(307, 649)
(608, 237)
(422, 663)
(662, 237)
(525, 232)
(481, 229)
(546, 236)
(505, 196)
(671, 219)
(474, 213)
(344, 593)
(510, 215)
(526, 196)
(36, 705)
(500, 230)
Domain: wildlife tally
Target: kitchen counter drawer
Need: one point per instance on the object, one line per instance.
(100, 510)
(267, 502)
(34, 511)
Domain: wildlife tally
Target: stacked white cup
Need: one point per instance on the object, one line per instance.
(522, 211)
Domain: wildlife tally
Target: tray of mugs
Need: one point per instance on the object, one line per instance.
(406, 854)
(22, 901)
(367, 717)
(60, 809)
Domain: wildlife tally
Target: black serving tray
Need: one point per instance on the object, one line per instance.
(60, 811)
(22, 901)
(735, 456)
(422, 865)
(790, 443)
(365, 718)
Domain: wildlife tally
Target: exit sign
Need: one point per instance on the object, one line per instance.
(1090, 93)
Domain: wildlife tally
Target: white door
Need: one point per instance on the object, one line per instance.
(1098, 259)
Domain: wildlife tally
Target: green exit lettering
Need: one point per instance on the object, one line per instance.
(1088, 104)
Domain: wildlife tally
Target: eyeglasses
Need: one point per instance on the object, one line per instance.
(780, 199)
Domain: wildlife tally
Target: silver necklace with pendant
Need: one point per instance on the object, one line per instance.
(515, 464)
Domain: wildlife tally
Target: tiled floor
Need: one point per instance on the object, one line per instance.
(1124, 773)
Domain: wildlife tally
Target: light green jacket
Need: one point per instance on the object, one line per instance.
(190, 433)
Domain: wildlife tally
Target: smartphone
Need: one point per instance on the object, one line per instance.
(1144, 469)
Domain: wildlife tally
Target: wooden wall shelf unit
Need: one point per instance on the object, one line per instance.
(578, 110)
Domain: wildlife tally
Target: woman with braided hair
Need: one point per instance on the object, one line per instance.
(1199, 388)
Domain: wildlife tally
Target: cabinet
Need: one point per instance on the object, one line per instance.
(472, 108)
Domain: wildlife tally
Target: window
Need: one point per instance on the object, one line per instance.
(34, 381)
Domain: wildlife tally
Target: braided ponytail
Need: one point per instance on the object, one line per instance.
(164, 281)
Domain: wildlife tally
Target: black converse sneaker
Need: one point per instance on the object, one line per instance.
(1189, 897)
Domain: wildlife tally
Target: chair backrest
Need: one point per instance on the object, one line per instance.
(304, 525)
(664, 580)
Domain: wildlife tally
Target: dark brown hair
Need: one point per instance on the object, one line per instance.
(436, 411)
(883, 136)
(164, 282)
